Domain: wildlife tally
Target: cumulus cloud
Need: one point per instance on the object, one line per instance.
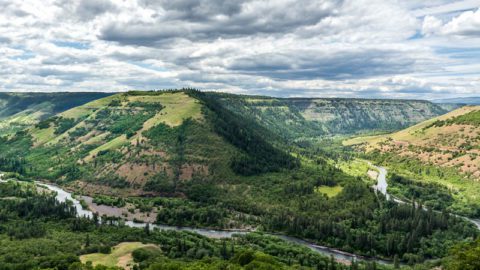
(280, 47)
(465, 24)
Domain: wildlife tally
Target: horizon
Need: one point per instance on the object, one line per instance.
(246, 94)
(318, 49)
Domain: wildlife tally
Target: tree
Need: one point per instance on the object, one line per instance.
(396, 263)
(147, 228)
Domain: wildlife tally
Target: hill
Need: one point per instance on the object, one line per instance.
(451, 140)
(21, 110)
(144, 141)
(443, 150)
(184, 158)
(296, 118)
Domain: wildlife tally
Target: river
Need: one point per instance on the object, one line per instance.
(63, 196)
(382, 186)
(339, 255)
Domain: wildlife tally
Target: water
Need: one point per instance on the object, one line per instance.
(63, 196)
(382, 186)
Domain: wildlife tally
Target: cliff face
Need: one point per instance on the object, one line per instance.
(299, 117)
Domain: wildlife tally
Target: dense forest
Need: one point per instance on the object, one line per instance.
(213, 168)
(59, 239)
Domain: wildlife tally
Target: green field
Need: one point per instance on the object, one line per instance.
(120, 256)
(329, 191)
(177, 107)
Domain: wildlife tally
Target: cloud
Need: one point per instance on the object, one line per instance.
(85, 10)
(209, 20)
(431, 25)
(357, 48)
(333, 64)
(465, 24)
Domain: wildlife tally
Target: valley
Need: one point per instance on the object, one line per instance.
(234, 170)
(441, 151)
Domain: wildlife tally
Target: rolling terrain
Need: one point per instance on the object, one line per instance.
(188, 158)
(21, 110)
(443, 150)
(451, 140)
(148, 142)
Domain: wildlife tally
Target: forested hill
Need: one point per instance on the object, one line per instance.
(451, 140)
(20, 110)
(184, 158)
(291, 117)
(143, 142)
(443, 150)
(311, 117)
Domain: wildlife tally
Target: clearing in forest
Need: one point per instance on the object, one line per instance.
(120, 256)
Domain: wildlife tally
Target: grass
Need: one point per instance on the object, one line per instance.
(121, 255)
(89, 108)
(412, 133)
(18, 121)
(113, 144)
(329, 191)
(466, 192)
(97, 138)
(42, 136)
(178, 107)
(356, 167)
(364, 139)
(86, 110)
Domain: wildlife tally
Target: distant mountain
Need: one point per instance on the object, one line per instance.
(462, 100)
(311, 117)
(20, 110)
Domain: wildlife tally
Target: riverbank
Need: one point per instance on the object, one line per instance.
(340, 256)
(382, 187)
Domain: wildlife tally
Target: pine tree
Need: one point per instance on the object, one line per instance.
(87, 240)
(223, 250)
(232, 249)
(147, 228)
(396, 263)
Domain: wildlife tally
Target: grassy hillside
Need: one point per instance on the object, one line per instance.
(296, 118)
(444, 150)
(451, 140)
(185, 158)
(21, 110)
(143, 142)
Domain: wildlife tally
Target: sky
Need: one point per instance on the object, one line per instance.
(322, 48)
